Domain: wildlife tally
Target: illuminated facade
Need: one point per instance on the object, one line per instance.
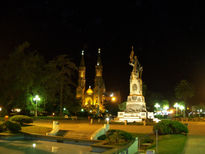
(92, 99)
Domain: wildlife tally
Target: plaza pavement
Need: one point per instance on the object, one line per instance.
(83, 130)
(74, 130)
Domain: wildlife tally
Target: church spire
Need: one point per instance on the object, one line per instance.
(99, 62)
(80, 91)
(82, 62)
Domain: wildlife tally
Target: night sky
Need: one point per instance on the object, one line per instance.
(168, 38)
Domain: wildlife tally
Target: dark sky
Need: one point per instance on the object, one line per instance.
(168, 38)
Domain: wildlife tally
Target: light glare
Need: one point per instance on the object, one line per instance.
(34, 145)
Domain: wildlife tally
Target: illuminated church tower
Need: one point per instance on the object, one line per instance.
(80, 91)
(91, 99)
(99, 87)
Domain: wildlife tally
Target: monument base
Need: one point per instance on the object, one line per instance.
(134, 116)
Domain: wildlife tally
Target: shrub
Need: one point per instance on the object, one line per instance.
(2, 127)
(12, 126)
(118, 137)
(170, 127)
(150, 122)
(146, 139)
(102, 137)
(3, 112)
(21, 119)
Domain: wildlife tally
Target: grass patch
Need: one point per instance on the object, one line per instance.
(36, 129)
(171, 144)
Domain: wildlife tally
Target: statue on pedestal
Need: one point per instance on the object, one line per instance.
(135, 64)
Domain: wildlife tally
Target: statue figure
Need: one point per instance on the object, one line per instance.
(133, 60)
(135, 64)
(140, 70)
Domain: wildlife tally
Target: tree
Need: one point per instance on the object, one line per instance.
(19, 76)
(122, 106)
(111, 107)
(59, 80)
(152, 98)
(183, 91)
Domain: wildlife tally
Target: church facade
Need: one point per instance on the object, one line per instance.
(92, 99)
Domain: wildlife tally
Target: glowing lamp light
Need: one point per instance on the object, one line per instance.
(157, 105)
(171, 111)
(113, 99)
(64, 108)
(34, 145)
(82, 110)
(166, 107)
(181, 107)
(107, 119)
(176, 105)
(0, 109)
(17, 110)
(36, 98)
(158, 120)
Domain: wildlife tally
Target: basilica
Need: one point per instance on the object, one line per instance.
(92, 99)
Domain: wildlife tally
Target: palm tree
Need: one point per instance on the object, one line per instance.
(183, 91)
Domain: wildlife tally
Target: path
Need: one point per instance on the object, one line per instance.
(84, 130)
(74, 130)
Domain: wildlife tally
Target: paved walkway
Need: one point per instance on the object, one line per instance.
(73, 130)
(196, 139)
(84, 130)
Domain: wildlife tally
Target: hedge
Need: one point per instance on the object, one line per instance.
(116, 137)
(170, 127)
(21, 119)
(12, 126)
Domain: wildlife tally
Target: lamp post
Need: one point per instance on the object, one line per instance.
(181, 107)
(166, 107)
(176, 105)
(113, 98)
(157, 106)
(36, 99)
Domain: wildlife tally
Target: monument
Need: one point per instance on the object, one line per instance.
(135, 107)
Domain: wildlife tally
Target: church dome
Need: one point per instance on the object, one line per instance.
(89, 91)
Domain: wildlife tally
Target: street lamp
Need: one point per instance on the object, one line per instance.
(176, 105)
(113, 98)
(157, 106)
(166, 107)
(36, 99)
(181, 107)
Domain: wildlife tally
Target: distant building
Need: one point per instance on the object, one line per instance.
(92, 99)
